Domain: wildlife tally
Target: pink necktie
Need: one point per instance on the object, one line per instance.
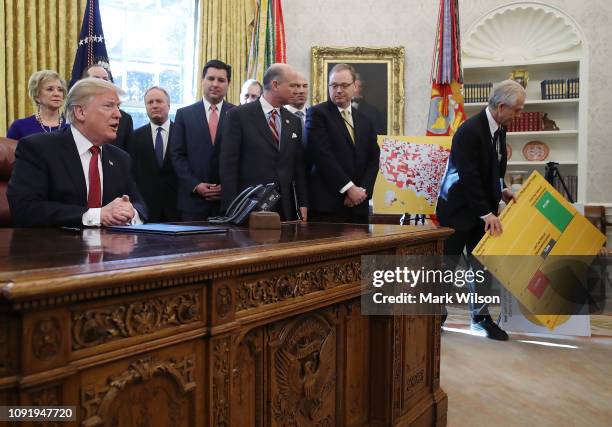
(213, 122)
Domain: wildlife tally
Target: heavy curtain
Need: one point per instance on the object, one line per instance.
(225, 34)
(35, 35)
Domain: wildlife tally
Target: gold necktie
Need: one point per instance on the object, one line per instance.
(349, 124)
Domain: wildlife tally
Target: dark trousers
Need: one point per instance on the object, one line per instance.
(453, 249)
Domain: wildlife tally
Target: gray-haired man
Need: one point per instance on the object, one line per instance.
(473, 185)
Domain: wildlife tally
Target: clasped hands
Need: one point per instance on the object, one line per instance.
(118, 212)
(354, 196)
(208, 191)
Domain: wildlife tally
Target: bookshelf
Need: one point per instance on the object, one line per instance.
(548, 46)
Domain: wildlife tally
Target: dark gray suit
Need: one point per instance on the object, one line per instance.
(250, 156)
(195, 158)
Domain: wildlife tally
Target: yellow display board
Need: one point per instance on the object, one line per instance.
(538, 227)
(410, 173)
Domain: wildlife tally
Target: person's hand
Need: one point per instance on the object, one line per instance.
(209, 191)
(492, 225)
(118, 212)
(507, 195)
(304, 213)
(354, 196)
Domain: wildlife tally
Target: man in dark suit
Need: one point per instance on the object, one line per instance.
(196, 142)
(153, 171)
(126, 125)
(342, 147)
(473, 184)
(74, 177)
(262, 143)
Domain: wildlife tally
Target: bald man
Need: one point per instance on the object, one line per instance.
(262, 143)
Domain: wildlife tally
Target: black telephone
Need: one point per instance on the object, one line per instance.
(252, 199)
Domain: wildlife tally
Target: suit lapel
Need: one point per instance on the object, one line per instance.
(167, 160)
(200, 118)
(287, 131)
(149, 146)
(222, 114)
(74, 167)
(109, 166)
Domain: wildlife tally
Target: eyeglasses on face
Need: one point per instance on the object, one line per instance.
(343, 86)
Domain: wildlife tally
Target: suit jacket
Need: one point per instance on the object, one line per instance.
(124, 132)
(158, 185)
(47, 187)
(336, 160)
(250, 156)
(195, 157)
(471, 187)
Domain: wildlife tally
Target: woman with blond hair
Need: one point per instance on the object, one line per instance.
(48, 91)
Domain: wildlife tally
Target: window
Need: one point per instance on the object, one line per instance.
(151, 42)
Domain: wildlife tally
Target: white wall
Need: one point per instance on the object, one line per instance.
(412, 24)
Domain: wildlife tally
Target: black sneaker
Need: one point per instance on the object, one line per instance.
(487, 325)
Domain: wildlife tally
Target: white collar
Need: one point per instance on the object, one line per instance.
(266, 106)
(82, 143)
(208, 104)
(349, 109)
(294, 110)
(493, 125)
(165, 126)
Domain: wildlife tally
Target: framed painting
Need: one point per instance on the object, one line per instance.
(379, 92)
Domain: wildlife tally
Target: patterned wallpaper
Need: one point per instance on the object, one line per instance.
(412, 24)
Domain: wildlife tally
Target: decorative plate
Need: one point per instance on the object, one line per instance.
(535, 151)
(508, 151)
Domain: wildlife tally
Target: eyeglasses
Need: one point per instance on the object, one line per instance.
(343, 86)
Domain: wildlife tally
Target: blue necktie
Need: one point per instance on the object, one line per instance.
(159, 147)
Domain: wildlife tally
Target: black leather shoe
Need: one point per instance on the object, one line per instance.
(489, 327)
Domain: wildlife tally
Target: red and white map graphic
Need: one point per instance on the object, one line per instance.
(414, 166)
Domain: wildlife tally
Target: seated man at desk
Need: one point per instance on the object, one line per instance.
(73, 177)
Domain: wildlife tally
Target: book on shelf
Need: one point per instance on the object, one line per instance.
(560, 88)
(477, 92)
(527, 122)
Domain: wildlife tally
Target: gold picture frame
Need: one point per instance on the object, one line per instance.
(385, 63)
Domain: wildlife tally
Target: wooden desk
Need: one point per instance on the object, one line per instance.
(243, 329)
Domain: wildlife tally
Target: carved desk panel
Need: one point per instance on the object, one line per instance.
(239, 329)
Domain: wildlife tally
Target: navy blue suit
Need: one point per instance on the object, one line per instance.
(47, 186)
(195, 158)
(157, 184)
(336, 161)
(471, 188)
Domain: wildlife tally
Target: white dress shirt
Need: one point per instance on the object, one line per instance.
(493, 126)
(91, 217)
(165, 134)
(207, 109)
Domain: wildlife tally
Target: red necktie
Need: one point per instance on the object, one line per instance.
(213, 122)
(272, 124)
(94, 198)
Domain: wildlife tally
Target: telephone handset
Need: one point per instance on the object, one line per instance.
(252, 199)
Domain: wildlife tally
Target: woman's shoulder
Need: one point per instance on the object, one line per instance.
(22, 127)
